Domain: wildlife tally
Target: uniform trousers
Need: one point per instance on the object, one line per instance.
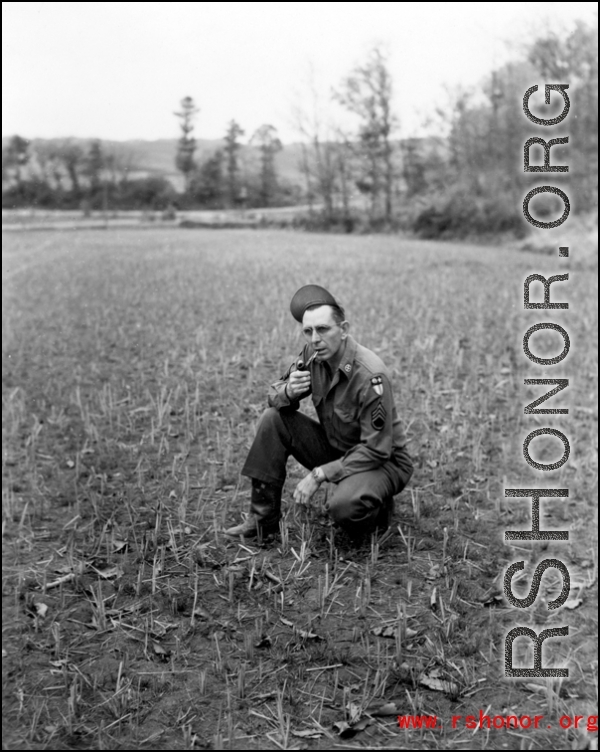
(356, 499)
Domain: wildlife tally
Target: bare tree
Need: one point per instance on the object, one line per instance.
(320, 154)
(306, 171)
(367, 92)
(344, 154)
(268, 144)
(574, 58)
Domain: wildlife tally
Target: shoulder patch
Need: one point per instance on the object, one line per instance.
(377, 384)
(378, 416)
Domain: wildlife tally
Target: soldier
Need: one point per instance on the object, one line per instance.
(358, 443)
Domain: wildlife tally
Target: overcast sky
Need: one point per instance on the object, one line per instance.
(118, 70)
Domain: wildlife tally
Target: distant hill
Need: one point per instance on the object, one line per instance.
(158, 157)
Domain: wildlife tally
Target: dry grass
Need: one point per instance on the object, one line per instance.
(134, 366)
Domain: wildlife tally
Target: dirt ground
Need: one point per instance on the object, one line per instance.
(135, 364)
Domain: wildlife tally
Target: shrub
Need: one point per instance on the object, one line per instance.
(461, 215)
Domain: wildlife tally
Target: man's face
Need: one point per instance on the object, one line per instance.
(324, 334)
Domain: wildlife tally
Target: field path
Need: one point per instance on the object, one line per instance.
(19, 259)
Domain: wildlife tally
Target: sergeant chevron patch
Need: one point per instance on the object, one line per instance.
(378, 416)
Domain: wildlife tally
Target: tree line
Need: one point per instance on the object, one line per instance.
(70, 174)
(465, 177)
(235, 175)
(93, 176)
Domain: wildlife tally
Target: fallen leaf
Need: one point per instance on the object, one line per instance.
(354, 711)
(438, 685)
(309, 635)
(201, 612)
(78, 566)
(302, 632)
(434, 572)
(573, 603)
(236, 569)
(391, 632)
(344, 730)
(159, 651)
(384, 631)
(388, 708)
(495, 600)
(264, 642)
(107, 574)
(308, 733)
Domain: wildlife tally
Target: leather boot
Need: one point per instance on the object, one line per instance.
(265, 511)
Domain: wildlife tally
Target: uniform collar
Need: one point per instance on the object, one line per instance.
(346, 365)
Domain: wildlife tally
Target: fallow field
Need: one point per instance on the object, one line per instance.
(135, 364)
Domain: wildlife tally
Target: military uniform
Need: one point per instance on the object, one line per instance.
(358, 443)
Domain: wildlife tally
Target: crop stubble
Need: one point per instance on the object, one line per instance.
(134, 366)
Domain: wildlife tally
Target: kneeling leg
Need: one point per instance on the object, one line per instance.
(363, 501)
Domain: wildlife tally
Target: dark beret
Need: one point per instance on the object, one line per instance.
(311, 295)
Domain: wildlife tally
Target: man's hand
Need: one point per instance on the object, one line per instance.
(306, 489)
(298, 384)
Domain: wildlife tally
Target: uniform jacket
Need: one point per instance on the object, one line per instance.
(355, 407)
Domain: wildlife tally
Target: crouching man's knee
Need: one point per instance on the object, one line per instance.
(269, 415)
(269, 420)
(350, 512)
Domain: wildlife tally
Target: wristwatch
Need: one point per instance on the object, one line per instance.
(318, 475)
